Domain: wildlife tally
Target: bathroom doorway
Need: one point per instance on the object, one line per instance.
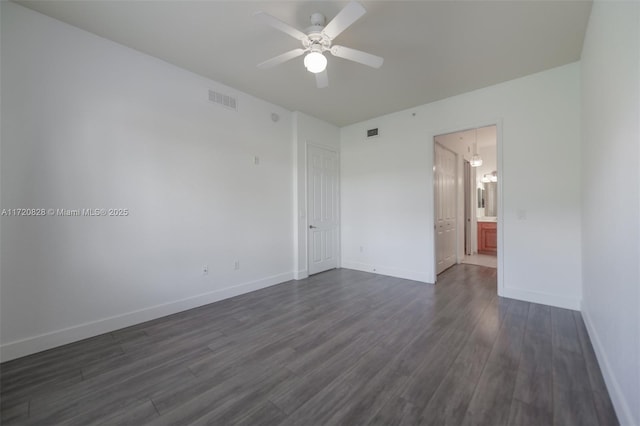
(476, 194)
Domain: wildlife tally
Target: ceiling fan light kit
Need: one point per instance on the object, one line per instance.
(318, 39)
(315, 62)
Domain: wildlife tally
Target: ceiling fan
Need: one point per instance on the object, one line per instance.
(317, 40)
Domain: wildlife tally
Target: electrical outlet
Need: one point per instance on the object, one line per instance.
(236, 265)
(205, 270)
(361, 249)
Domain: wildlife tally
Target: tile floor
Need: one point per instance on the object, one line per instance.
(482, 260)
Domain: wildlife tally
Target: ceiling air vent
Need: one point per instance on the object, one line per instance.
(372, 133)
(224, 100)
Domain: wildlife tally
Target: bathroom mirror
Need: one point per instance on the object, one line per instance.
(480, 198)
(491, 199)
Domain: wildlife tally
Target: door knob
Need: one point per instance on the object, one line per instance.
(312, 227)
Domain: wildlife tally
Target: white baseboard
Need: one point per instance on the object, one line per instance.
(542, 298)
(620, 403)
(30, 345)
(300, 275)
(389, 271)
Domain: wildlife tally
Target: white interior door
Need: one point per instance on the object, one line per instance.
(445, 207)
(322, 193)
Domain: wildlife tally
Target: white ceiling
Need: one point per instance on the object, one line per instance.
(432, 49)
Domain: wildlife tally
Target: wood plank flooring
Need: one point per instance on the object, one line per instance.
(341, 347)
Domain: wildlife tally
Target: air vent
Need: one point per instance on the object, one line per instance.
(372, 133)
(224, 100)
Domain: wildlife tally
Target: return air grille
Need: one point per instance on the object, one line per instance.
(224, 100)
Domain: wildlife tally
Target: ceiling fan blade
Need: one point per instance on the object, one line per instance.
(280, 59)
(347, 16)
(322, 79)
(280, 25)
(357, 56)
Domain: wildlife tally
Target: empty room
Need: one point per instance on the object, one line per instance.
(320, 212)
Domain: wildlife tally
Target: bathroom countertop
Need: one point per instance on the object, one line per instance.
(488, 219)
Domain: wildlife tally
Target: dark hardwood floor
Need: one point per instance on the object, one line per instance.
(342, 347)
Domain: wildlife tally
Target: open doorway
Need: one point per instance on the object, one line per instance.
(466, 198)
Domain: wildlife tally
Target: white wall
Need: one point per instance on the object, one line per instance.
(88, 123)
(611, 198)
(384, 198)
(306, 130)
(387, 185)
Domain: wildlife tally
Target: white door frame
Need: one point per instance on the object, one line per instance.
(460, 128)
(306, 202)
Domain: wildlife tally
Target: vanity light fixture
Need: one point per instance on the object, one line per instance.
(490, 177)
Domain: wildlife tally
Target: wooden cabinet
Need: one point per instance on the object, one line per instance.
(487, 237)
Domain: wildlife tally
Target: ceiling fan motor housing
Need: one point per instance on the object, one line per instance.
(316, 40)
(317, 19)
